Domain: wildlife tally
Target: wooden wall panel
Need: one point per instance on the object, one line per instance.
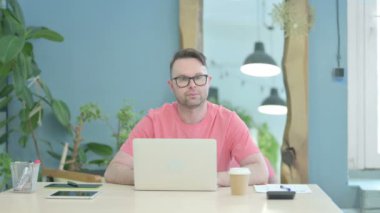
(294, 166)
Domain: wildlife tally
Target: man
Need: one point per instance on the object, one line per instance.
(192, 116)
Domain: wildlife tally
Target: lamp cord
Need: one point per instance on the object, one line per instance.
(258, 21)
(338, 57)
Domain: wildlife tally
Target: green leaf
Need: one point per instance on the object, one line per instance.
(21, 90)
(6, 90)
(43, 32)
(35, 69)
(12, 25)
(10, 47)
(54, 155)
(21, 66)
(25, 64)
(36, 111)
(5, 69)
(90, 112)
(18, 79)
(30, 118)
(4, 102)
(61, 112)
(28, 49)
(5, 171)
(25, 95)
(46, 91)
(32, 67)
(23, 140)
(17, 10)
(100, 149)
(99, 162)
(23, 114)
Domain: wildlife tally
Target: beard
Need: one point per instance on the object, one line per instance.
(191, 103)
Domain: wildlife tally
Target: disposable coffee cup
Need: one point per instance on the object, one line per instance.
(239, 179)
(24, 176)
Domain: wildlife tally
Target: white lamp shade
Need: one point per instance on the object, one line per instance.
(273, 105)
(273, 109)
(260, 64)
(260, 70)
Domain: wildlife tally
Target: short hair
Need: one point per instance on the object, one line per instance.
(188, 53)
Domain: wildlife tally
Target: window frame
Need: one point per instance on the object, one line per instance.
(362, 85)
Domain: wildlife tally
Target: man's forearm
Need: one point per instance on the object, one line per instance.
(119, 173)
(259, 174)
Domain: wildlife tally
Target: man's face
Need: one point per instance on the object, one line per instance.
(192, 95)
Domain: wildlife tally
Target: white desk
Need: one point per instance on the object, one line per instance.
(119, 198)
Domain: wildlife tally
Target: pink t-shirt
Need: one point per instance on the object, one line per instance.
(231, 133)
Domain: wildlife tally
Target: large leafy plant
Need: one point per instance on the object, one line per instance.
(20, 79)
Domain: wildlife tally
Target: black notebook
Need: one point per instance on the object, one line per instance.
(76, 186)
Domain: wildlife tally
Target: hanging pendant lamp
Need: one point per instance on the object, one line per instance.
(260, 64)
(273, 105)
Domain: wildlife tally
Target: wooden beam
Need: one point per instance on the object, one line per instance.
(294, 166)
(190, 21)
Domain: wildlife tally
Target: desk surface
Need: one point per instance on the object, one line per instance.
(119, 198)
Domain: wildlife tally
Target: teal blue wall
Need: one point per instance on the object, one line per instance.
(120, 50)
(328, 104)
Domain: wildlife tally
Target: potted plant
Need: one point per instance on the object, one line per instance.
(20, 79)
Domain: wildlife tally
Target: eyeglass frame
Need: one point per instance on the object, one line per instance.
(190, 78)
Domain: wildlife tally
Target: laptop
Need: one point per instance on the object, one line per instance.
(175, 164)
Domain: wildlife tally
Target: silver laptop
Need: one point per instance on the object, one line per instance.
(175, 164)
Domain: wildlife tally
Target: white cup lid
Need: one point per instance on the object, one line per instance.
(239, 171)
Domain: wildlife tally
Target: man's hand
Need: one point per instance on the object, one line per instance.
(120, 170)
(223, 179)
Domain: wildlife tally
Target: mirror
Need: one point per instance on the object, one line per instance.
(230, 29)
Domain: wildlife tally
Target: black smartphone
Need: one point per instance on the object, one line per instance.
(281, 195)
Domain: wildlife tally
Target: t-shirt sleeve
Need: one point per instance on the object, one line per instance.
(241, 140)
(143, 129)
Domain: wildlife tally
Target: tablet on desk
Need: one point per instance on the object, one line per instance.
(73, 195)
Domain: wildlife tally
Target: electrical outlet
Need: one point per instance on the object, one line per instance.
(338, 74)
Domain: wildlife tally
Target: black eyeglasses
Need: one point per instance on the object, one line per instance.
(184, 81)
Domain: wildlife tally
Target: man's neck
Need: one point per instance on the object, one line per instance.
(192, 115)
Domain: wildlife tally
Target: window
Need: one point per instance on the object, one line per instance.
(363, 84)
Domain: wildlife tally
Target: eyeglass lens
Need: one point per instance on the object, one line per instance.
(183, 81)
